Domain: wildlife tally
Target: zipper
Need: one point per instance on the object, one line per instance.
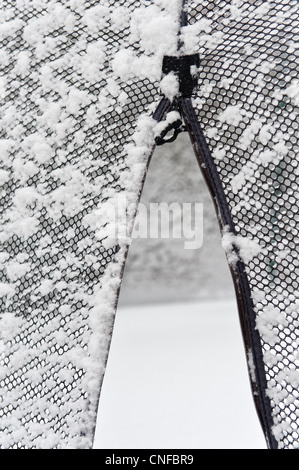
(185, 68)
(251, 337)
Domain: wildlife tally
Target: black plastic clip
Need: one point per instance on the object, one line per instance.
(177, 127)
(182, 67)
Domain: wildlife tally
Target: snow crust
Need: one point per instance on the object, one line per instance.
(66, 76)
(249, 121)
(238, 247)
(63, 76)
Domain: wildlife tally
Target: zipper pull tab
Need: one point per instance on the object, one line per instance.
(173, 122)
(186, 70)
(177, 127)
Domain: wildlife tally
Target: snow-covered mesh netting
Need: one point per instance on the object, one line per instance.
(77, 81)
(246, 102)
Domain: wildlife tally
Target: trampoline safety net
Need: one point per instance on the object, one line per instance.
(86, 89)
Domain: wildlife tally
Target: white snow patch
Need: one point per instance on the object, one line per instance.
(271, 358)
(22, 64)
(236, 247)
(42, 152)
(9, 323)
(249, 134)
(6, 146)
(76, 100)
(4, 58)
(236, 10)
(45, 287)
(262, 10)
(279, 430)
(289, 376)
(6, 289)
(93, 61)
(267, 156)
(25, 197)
(265, 134)
(228, 246)
(226, 82)
(24, 227)
(120, 18)
(211, 41)
(16, 270)
(96, 18)
(251, 366)
(212, 132)
(9, 28)
(23, 169)
(190, 34)
(219, 153)
(155, 30)
(170, 86)
(257, 295)
(127, 65)
(161, 126)
(4, 177)
(4, 256)
(232, 115)
(282, 254)
(248, 249)
(237, 182)
(267, 324)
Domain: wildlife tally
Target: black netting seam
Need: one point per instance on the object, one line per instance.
(162, 109)
(239, 274)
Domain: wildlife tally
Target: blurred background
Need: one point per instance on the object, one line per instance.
(162, 270)
(177, 376)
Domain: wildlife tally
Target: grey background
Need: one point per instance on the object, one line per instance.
(162, 270)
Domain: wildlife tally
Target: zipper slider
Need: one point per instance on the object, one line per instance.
(175, 125)
(186, 70)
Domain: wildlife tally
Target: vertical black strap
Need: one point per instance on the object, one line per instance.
(246, 308)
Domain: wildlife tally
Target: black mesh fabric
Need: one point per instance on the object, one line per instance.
(79, 83)
(247, 104)
(70, 142)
